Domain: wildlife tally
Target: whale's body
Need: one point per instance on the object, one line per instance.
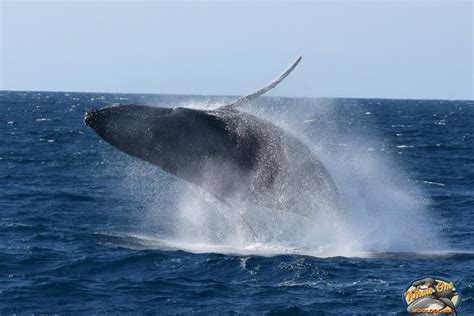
(230, 153)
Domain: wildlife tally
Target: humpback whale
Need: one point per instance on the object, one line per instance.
(231, 154)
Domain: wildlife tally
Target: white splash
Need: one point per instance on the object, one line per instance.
(382, 211)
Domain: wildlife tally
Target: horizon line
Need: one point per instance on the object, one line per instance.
(237, 96)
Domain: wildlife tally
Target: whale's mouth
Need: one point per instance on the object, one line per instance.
(95, 119)
(90, 118)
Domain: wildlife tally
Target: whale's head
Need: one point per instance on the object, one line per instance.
(172, 138)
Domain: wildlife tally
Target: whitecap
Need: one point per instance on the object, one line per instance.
(434, 183)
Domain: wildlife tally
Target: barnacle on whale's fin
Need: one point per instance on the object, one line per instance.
(256, 94)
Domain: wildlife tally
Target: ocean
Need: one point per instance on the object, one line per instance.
(86, 229)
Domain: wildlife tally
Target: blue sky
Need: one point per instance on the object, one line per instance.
(409, 49)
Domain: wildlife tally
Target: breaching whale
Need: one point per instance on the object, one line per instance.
(229, 153)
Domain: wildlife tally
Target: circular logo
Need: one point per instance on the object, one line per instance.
(431, 295)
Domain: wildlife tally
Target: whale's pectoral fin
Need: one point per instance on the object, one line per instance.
(256, 94)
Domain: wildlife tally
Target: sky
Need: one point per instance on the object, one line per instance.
(384, 49)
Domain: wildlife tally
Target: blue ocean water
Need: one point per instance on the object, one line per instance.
(86, 229)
